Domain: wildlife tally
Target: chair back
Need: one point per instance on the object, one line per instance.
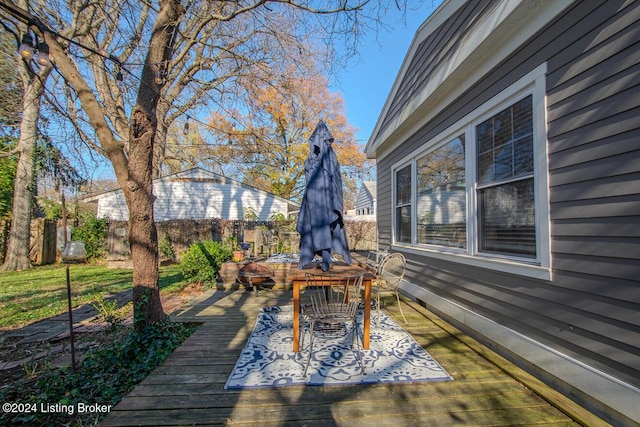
(333, 298)
(392, 270)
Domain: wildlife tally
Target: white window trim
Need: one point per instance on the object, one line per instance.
(533, 83)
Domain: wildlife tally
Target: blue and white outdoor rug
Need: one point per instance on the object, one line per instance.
(268, 360)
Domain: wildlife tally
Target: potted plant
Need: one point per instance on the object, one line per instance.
(232, 243)
(238, 253)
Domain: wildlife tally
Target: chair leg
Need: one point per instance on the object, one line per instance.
(354, 337)
(359, 346)
(303, 323)
(400, 305)
(311, 326)
(377, 308)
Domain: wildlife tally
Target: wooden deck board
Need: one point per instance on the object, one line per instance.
(366, 397)
(270, 412)
(373, 392)
(188, 389)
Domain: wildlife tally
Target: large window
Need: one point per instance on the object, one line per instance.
(505, 182)
(479, 190)
(441, 196)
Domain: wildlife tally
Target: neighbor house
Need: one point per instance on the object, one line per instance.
(197, 194)
(508, 174)
(366, 199)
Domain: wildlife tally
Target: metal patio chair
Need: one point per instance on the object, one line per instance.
(388, 277)
(269, 242)
(331, 311)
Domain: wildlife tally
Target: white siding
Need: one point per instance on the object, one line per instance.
(199, 200)
(197, 194)
(112, 205)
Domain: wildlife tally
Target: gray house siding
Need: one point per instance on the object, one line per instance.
(590, 309)
(366, 199)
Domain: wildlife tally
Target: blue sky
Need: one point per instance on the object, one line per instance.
(366, 83)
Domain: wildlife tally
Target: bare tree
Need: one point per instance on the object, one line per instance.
(33, 82)
(222, 49)
(133, 168)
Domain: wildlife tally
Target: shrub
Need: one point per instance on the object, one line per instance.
(202, 261)
(93, 232)
(165, 249)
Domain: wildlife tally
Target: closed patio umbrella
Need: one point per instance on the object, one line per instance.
(320, 221)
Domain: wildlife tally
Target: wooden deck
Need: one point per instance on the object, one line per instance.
(188, 389)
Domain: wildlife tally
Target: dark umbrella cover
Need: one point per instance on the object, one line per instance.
(320, 221)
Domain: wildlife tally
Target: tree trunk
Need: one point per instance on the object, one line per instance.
(160, 141)
(17, 257)
(143, 236)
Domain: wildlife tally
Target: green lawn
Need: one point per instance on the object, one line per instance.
(32, 295)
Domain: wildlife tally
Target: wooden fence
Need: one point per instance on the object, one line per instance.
(43, 241)
(182, 233)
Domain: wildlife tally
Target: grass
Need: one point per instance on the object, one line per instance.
(29, 296)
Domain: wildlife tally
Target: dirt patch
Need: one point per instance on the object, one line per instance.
(174, 301)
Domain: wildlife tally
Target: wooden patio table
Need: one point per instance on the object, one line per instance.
(336, 271)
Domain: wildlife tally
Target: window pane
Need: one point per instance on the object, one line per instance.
(502, 128)
(523, 119)
(485, 168)
(403, 185)
(403, 205)
(505, 144)
(523, 137)
(503, 163)
(441, 199)
(403, 228)
(523, 156)
(507, 219)
(484, 133)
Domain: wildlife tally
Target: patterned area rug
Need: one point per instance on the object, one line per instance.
(268, 360)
